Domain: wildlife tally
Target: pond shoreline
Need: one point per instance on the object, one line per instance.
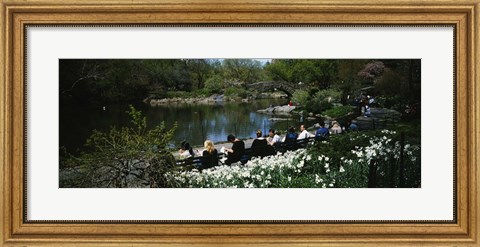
(212, 99)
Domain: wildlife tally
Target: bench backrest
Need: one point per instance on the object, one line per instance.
(249, 152)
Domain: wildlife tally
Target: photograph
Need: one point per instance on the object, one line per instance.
(240, 123)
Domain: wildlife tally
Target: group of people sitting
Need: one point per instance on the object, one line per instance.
(261, 145)
(209, 154)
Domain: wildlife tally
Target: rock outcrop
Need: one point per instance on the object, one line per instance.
(379, 118)
(209, 100)
(278, 110)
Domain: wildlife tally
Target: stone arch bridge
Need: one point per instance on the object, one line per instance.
(267, 86)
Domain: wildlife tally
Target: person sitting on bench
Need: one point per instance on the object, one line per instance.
(186, 151)
(209, 155)
(259, 145)
(322, 133)
(235, 153)
(290, 139)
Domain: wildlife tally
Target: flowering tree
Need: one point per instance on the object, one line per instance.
(372, 70)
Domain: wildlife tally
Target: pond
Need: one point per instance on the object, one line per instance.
(195, 122)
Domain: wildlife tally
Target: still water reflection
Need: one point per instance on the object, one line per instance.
(195, 122)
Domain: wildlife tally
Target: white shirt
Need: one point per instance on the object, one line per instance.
(303, 135)
(336, 130)
(185, 154)
(275, 139)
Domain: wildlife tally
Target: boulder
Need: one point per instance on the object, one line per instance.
(278, 110)
(276, 119)
(379, 118)
(284, 109)
(383, 113)
(368, 123)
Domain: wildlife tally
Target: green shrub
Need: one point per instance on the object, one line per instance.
(179, 94)
(204, 92)
(236, 92)
(354, 151)
(339, 111)
(301, 96)
(214, 84)
(324, 99)
(122, 157)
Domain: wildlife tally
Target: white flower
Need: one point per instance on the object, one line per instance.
(330, 185)
(328, 170)
(300, 164)
(341, 169)
(309, 157)
(327, 159)
(289, 179)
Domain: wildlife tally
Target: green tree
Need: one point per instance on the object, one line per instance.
(215, 84)
(199, 70)
(348, 80)
(101, 81)
(318, 73)
(280, 70)
(168, 74)
(409, 76)
(242, 70)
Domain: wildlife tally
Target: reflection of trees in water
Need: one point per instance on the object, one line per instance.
(217, 121)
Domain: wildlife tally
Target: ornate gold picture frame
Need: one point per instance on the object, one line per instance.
(17, 231)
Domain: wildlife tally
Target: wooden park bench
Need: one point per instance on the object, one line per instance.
(198, 161)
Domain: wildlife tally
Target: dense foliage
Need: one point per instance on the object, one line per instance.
(339, 111)
(105, 81)
(317, 101)
(123, 157)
